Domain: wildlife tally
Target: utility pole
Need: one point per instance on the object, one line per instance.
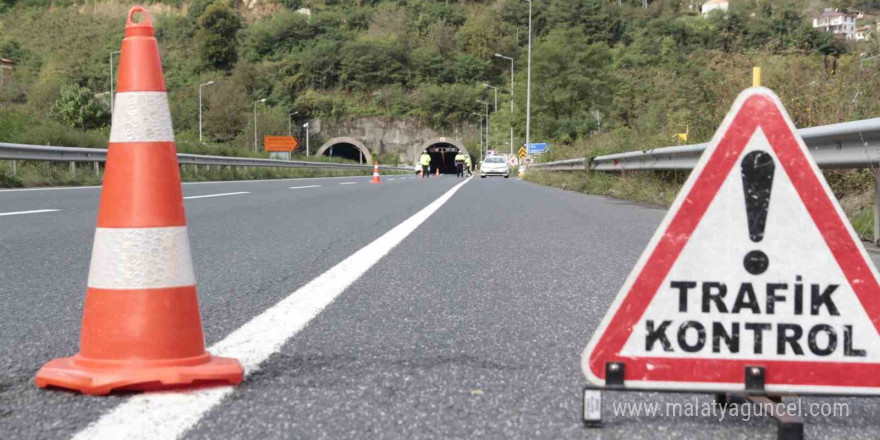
(529, 82)
(511, 98)
(255, 122)
(306, 126)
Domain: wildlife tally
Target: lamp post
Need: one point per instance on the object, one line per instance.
(511, 98)
(306, 126)
(529, 82)
(487, 123)
(111, 82)
(289, 122)
(200, 107)
(255, 122)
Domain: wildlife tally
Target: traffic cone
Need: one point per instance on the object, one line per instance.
(376, 178)
(438, 172)
(141, 328)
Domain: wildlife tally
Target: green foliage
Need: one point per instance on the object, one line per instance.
(216, 36)
(79, 108)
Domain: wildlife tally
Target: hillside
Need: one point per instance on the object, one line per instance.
(597, 67)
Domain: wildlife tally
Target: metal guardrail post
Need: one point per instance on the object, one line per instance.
(72, 169)
(97, 169)
(14, 168)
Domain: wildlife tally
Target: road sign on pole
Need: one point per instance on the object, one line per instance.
(754, 269)
(537, 148)
(280, 143)
(522, 152)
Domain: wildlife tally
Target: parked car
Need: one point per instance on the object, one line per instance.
(494, 166)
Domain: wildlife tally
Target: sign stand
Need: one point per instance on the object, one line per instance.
(788, 427)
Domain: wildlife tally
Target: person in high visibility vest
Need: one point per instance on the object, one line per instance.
(468, 164)
(425, 162)
(459, 164)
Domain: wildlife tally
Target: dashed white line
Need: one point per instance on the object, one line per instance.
(348, 183)
(306, 186)
(167, 415)
(36, 211)
(216, 195)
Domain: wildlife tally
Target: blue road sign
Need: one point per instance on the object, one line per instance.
(538, 148)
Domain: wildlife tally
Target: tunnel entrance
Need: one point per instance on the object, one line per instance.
(345, 150)
(346, 147)
(443, 157)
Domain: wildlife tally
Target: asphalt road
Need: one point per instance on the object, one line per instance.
(471, 327)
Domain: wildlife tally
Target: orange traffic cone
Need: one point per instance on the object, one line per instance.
(438, 172)
(141, 328)
(376, 173)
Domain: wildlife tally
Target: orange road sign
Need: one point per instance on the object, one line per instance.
(280, 143)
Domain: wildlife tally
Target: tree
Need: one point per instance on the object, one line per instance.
(79, 108)
(216, 37)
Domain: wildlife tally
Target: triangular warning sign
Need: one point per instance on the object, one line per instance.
(755, 265)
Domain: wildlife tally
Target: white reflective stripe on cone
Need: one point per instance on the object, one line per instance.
(141, 258)
(141, 117)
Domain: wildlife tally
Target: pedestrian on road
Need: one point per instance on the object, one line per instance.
(425, 162)
(459, 164)
(468, 164)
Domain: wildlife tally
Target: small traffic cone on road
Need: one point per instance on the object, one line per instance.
(376, 178)
(141, 328)
(438, 172)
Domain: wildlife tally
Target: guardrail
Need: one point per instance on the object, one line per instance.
(16, 152)
(854, 144)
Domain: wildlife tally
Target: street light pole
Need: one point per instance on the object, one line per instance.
(200, 107)
(255, 122)
(511, 98)
(487, 123)
(111, 83)
(289, 121)
(306, 126)
(529, 83)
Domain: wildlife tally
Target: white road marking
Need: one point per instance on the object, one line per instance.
(167, 415)
(216, 195)
(307, 186)
(348, 183)
(36, 211)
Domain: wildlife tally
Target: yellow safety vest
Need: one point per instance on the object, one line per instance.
(425, 160)
(459, 157)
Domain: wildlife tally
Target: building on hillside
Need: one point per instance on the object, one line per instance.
(836, 22)
(862, 34)
(715, 5)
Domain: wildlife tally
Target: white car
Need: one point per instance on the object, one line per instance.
(494, 166)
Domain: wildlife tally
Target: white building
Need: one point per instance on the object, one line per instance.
(836, 22)
(862, 34)
(715, 5)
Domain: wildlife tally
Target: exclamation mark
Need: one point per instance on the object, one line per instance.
(757, 175)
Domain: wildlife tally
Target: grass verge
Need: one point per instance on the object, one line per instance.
(37, 174)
